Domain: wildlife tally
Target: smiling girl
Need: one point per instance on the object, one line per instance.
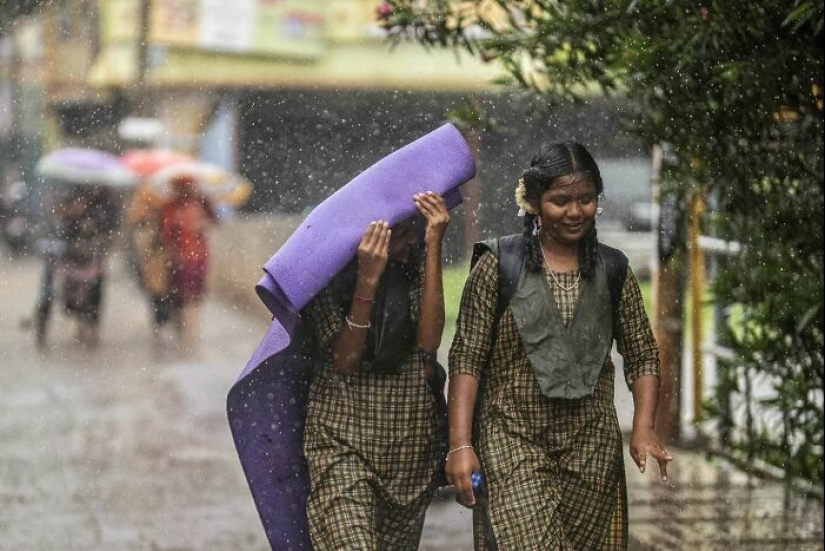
(532, 379)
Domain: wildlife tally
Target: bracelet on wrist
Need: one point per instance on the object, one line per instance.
(353, 326)
(360, 298)
(456, 449)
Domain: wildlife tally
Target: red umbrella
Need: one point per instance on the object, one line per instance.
(146, 162)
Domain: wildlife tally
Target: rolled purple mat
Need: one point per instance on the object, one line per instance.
(267, 404)
(440, 161)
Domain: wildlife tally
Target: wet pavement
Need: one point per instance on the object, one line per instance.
(126, 447)
(707, 504)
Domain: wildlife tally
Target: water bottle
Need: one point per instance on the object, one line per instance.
(482, 504)
(479, 489)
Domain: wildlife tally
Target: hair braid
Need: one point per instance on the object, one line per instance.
(589, 253)
(534, 260)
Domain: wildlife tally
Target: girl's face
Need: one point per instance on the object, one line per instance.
(405, 237)
(568, 209)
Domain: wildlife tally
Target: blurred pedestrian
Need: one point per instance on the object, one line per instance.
(50, 245)
(89, 219)
(15, 216)
(151, 256)
(372, 436)
(531, 376)
(185, 221)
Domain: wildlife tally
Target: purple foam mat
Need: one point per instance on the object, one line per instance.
(437, 162)
(267, 404)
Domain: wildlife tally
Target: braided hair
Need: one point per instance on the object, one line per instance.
(551, 162)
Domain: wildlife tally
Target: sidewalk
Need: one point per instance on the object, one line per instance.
(709, 504)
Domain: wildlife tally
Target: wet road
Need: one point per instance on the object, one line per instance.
(124, 447)
(127, 447)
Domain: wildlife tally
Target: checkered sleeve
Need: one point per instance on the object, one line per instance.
(325, 318)
(472, 340)
(635, 341)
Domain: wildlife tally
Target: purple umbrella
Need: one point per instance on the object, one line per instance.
(86, 167)
(267, 404)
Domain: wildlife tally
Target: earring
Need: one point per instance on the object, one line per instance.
(536, 226)
(599, 211)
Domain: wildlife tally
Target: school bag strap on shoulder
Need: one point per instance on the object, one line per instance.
(615, 264)
(509, 250)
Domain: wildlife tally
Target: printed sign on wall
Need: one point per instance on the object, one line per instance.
(262, 27)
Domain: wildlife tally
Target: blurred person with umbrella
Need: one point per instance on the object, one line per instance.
(90, 219)
(85, 217)
(149, 256)
(143, 217)
(185, 219)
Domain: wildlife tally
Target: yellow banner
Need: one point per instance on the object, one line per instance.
(262, 27)
(119, 21)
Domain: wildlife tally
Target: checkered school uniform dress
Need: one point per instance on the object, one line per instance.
(371, 444)
(554, 467)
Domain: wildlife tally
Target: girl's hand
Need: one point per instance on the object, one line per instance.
(434, 210)
(644, 442)
(461, 464)
(373, 252)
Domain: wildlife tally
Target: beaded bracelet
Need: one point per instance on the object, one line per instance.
(359, 298)
(352, 325)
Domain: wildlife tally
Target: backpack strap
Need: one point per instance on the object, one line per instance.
(615, 264)
(509, 250)
(510, 265)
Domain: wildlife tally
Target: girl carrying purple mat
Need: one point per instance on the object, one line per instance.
(373, 436)
(372, 441)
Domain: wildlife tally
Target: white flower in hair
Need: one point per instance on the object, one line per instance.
(521, 199)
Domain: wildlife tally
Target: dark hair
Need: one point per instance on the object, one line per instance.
(551, 162)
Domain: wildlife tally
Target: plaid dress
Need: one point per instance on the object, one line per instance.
(554, 467)
(371, 444)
